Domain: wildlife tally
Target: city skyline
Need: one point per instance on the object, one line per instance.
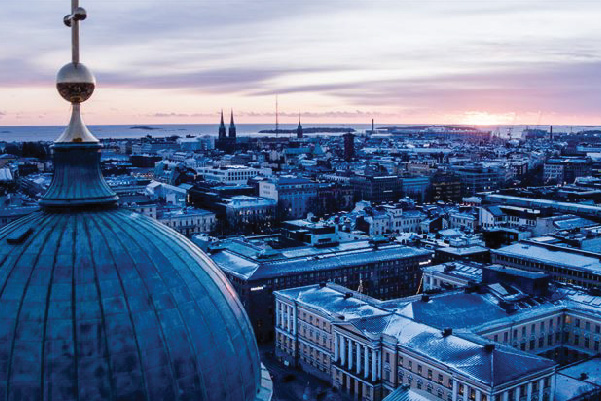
(466, 62)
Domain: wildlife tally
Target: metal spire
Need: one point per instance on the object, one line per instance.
(277, 122)
(75, 82)
(72, 21)
(77, 180)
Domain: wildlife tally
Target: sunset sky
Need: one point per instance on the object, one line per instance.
(181, 61)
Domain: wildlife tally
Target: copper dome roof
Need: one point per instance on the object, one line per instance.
(108, 304)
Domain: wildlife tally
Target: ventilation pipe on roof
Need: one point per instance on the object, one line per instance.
(447, 332)
(348, 295)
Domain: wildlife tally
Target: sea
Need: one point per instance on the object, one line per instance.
(50, 133)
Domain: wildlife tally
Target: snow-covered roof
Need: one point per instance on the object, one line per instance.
(416, 327)
(552, 256)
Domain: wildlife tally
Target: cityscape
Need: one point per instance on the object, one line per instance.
(235, 253)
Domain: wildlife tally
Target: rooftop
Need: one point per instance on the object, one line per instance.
(466, 271)
(464, 250)
(257, 261)
(557, 257)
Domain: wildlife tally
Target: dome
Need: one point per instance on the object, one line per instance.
(109, 305)
(101, 303)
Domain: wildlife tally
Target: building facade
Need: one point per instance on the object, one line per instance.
(565, 170)
(188, 221)
(295, 196)
(368, 348)
(248, 212)
(229, 175)
(385, 270)
(566, 265)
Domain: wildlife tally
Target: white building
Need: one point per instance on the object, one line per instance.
(170, 194)
(230, 175)
(188, 221)
(368, 348)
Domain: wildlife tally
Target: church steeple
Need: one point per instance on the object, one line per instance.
(299, 129)
(222, 130)
(232, 128)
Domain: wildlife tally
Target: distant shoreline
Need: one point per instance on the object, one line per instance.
(309, 130)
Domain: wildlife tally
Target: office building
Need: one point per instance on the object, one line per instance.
(349, 146)
(257, 267)
(564, 264)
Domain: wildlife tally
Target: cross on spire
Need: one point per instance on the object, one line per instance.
(72, 21)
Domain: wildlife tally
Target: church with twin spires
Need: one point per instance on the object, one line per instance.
(226, 140)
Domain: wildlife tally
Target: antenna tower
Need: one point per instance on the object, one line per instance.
(277, 122)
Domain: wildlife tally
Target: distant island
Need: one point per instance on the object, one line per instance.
(143, 127)
(309, 130)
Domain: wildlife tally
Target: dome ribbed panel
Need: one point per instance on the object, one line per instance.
(111, 305)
